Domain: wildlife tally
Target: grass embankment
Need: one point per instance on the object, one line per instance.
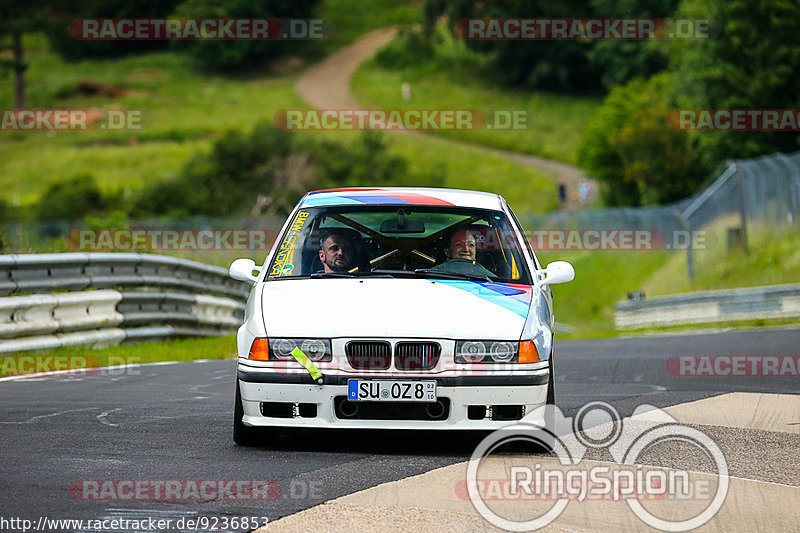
(554, 122)
(603, 278)
(184, 110)
(771, 258)
(79, 357)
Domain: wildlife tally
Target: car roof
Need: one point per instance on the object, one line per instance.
(427, 196)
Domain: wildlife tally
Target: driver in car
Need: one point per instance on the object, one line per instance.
(460, 253)
(336, 251)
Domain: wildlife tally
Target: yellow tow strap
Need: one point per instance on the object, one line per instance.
(303, 359)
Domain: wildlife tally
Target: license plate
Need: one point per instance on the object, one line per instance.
(360, 390)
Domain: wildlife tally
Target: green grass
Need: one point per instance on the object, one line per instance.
(172, 350)
(182, 110)
(602, 278)
(773, 258)
(555, 122)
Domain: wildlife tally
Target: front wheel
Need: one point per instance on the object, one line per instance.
(550, 407)
(242, 435)
(543, 441)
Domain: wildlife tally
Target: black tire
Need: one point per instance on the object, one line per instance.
(242, 435)
(550, 413)
(544, 438)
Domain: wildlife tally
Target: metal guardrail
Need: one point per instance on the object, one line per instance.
(140, 308)
(770, 302)
(40, 314)
(43, 273)
(211, 303)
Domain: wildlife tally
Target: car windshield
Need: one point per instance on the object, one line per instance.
(431, 242)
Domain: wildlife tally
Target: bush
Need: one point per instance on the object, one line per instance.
(64, 12)
(70, 199)
(224, 181)
(629, 148)
(367, 162)
(233, 55)
(406, 50)
(267, 170)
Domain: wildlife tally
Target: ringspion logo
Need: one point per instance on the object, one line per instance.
(548, 485)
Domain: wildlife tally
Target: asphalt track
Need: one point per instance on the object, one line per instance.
(173, 422)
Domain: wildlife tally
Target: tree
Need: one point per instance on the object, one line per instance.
(65, 11)
(565, 65)
(631, 150)
(16, 19)
(619, 60)
(232, 55)
(752, 64)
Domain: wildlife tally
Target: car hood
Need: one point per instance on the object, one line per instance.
(395, 308)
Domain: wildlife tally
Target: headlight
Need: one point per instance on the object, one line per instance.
(315, 349)
(503, 352)
(486, 352)
(471, 352)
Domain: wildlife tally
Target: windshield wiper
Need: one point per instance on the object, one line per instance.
(332, 275)
(388, 272)
(420, 272)
(449, 275)
(366, 273)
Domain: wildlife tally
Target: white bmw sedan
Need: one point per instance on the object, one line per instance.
(395, 308)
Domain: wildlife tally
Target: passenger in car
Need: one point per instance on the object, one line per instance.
(461, 252)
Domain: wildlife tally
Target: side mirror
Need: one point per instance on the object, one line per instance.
(242, 269)
(557, 272)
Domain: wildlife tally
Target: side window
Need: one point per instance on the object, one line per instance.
(525, 239)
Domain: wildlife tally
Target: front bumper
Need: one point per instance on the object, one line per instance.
(521, 391)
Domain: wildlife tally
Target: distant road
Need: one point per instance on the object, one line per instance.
(326, 85)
